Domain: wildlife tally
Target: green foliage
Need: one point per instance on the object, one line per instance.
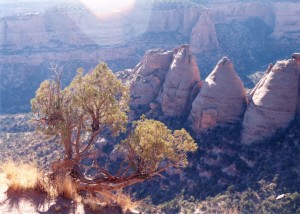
(101, 97)
(152, 142)
(89, 104)
(260, 200)
(93, 102)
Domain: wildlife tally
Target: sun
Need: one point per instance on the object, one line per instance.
(107, 8)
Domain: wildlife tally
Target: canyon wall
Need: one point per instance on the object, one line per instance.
(35, 33)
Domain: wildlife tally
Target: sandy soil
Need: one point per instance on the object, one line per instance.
(34, 202)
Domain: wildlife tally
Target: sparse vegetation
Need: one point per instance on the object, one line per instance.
(29, 147)
(204, 179)
(94, 104)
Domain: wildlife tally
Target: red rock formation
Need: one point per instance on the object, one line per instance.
(222, 98)
(274, 102)
(183, 77)
(148, 77)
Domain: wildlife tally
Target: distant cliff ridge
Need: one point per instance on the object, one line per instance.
(77, 27)
(34, 33)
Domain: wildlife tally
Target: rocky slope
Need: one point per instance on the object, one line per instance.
(75, 35)
(222, 161)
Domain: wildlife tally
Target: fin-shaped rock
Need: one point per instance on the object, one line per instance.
(181, 80)
(274, 102)
(221, 100)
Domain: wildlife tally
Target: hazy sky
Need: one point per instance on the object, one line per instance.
(17, 7)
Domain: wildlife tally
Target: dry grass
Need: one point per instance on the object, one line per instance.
(126, 202)
(106, 198)
(21, 176)
(62, 186)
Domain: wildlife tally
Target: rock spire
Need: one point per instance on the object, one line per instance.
(274, 101)
(222, 98)
(181, 83)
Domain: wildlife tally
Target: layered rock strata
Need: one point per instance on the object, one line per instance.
(274, 101)
(222, 98)
(78, 35)
(182, 79)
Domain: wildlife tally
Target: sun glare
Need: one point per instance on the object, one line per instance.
(106, 8)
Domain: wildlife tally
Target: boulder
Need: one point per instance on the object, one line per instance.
(181, 83)
(273, 102)
(222, 98)
(148, 77)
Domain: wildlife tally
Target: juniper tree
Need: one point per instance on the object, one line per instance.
(94, 102)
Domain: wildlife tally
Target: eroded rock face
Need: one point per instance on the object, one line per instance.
(204, 37)
(274, 102)
(148, 77)
(182, 80)
(222, 98)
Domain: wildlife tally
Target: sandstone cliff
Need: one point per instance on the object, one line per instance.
(274, 102)
(222, 98)
(286, 25)
(226, 12)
